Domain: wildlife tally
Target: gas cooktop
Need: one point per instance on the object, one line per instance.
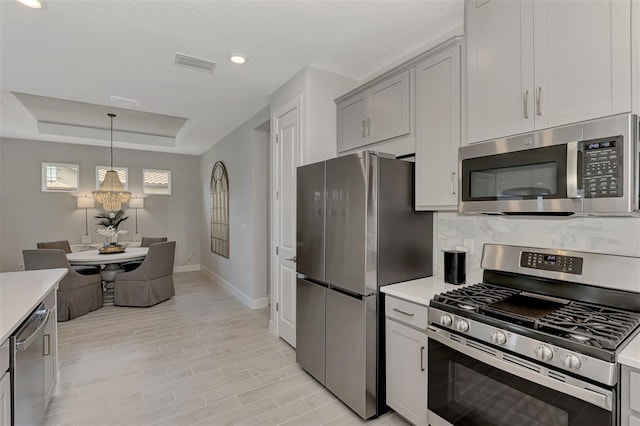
(586, 324)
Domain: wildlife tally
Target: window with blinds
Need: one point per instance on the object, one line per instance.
(156, 181)
(123, 175)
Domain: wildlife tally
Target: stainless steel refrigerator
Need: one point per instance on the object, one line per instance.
(356, 231)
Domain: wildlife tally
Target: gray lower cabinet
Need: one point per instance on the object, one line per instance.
(630, 397)
(50, 348)
(5, 385)
(406, 359)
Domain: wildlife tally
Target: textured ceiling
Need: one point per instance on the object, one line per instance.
(86, 51)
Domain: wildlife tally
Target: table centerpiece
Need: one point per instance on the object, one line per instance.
(110, 221)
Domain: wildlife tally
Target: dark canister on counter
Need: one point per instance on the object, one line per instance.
(454, 267)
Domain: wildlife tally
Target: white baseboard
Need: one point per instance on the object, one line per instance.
(263, 302)
(185, 268)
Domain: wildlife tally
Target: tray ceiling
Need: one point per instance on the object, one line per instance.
(62, 64)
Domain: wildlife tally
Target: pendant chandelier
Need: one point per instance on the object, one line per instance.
(111, 193)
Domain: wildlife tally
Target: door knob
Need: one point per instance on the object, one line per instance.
(291, 259)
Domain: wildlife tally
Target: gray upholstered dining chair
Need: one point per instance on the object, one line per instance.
(150, 283)
(77, 294)
(64, 245)
(146, 242)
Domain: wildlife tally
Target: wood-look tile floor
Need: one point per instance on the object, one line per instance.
(200, 358)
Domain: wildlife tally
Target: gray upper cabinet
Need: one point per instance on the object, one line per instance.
(538, 64)
(438, 110)
(375, 112)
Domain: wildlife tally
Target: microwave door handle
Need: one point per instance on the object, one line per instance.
(572, 170)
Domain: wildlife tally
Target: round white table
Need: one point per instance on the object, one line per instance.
(112, 262)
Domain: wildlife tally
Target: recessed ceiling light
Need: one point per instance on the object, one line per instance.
(237, 59)
(33, 4)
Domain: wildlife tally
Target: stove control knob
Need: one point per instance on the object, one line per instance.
(462, 325)
(445, 320)
(498, 338)
(571, 362)
(544, 353)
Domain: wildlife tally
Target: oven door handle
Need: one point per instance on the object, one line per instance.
(593, 395)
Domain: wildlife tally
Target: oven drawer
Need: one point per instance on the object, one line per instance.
(406, 312)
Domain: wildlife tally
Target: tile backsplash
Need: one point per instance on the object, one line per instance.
(613, 235)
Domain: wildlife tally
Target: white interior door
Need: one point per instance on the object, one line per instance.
(287, 129)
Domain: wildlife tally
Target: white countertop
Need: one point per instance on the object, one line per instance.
(630, 356)
(422, 290)
(20, 294)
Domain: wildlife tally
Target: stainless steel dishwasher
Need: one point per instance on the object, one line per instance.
(27, 363)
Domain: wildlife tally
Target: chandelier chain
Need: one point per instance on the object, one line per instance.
(111, 115)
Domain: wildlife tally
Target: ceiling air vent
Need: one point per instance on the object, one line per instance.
(194, 63)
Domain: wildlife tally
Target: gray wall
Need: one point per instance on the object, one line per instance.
(244, 154)
(28, 215)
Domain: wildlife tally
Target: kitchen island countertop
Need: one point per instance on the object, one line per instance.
(20, 293)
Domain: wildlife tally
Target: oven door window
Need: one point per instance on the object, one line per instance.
(521, 175)
(467, 392)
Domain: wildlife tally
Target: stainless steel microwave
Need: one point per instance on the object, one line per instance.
(589, 168)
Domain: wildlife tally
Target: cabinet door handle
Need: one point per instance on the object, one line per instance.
(403, 312)
(452, 180)
(539, 100)
(422, 358)
(364, 128)
(368, 127)
(46, 350)
(525, 101)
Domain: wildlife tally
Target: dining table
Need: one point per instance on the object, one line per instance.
(112, 265)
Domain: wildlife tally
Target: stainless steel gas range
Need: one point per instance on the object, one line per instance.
(536, 342)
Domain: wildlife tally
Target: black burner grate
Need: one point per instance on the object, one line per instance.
(593, 325)
(474, 296)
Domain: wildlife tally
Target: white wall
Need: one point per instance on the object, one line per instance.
(613, 235)
(28, 215)
(322, 133)
(244, 154)
(317, 89)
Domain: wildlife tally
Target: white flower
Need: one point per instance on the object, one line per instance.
(112, 215)
(109, 231)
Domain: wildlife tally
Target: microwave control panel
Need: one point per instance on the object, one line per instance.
(602, 167)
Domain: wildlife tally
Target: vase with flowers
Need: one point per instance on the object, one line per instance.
(111, 221)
